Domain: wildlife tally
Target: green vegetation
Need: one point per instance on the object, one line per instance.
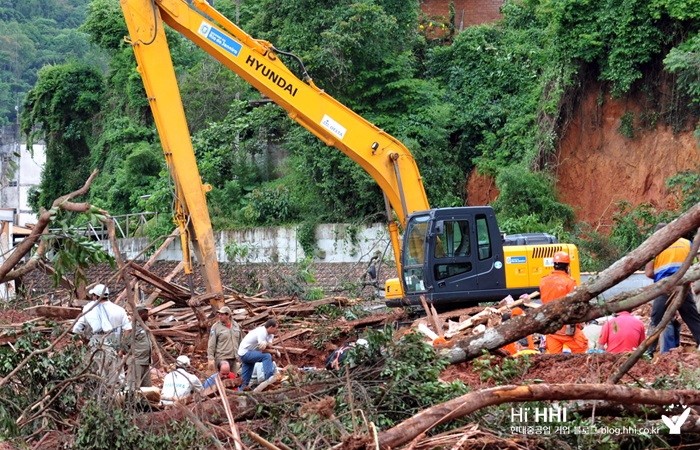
(53, 375)
(389, 382)
(107, 426)
(33, 34)
(504, 371)
(492, 97)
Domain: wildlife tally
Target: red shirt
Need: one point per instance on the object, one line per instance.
(623, 333)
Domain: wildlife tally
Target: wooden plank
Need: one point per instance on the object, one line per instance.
(374, 319)
(254, 319)
(152, 298)
(291, 335)
(295, 350)
(169, 290)
(160, 308)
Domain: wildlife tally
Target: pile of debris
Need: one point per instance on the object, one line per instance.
(469, 321)
(177, 318)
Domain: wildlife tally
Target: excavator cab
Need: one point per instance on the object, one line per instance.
(451, 255)
(458, 257)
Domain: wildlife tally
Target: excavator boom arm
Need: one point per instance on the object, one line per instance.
(386, 160)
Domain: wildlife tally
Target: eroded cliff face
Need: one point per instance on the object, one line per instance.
(597, 166)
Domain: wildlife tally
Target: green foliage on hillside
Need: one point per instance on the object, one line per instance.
(63, 103)
(492, 97)
(34, 33)
(527, 203)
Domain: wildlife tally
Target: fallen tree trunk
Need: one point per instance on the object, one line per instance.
(576, 307)
(9, 270)
(473, 401)
(243, 405)
(54, 312)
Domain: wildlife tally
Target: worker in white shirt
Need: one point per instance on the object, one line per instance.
(179, 384)
(255, 347)
(104, 324)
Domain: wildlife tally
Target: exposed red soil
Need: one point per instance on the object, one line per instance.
(13, 316)
(597, 167)
(583, 368)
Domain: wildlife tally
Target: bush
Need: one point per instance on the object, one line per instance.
(529, 199)
(44, 374)
(104, 427)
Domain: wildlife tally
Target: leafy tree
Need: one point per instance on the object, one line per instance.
(61, 108)
(32, 34)
(618, 36)
(684, 61)
(209, 90)
(686, 188)
(529, 194)
(105, 24)
(493, 75)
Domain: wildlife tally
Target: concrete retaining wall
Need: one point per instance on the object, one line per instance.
(337, 243)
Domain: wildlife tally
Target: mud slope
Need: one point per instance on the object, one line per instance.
(597, 166)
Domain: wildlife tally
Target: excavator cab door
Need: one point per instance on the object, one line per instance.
(414, 251)
(453, 255)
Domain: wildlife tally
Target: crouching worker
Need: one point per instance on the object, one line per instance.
(179, 384)
(335, 360)
(256, 347)
(223, 371)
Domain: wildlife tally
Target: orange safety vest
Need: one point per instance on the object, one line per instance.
(556, 285)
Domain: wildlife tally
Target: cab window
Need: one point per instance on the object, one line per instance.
(414, 254)
(454, 240)
(452, 247)
(482, 233)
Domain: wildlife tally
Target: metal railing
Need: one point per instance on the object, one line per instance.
(125, 226)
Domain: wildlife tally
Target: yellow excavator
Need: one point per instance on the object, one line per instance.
(451, 256)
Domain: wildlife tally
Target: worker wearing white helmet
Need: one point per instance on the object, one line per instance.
(105, 325)
(179, 384)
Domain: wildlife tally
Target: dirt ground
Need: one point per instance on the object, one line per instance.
(583, 368)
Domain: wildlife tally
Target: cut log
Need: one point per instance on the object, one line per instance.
(54, 312)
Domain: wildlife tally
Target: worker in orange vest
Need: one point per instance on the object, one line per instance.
(554, 286)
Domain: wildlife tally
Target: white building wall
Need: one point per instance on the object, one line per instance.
(16, 183)
(30, 165)
(336, 243)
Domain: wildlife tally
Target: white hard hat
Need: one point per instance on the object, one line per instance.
(99, 290)
(183, 361)
(362, 342)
